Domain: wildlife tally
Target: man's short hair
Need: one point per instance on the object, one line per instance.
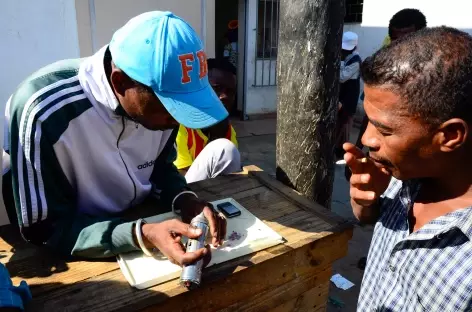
(221, 64)
(406, 18)
(431, 70)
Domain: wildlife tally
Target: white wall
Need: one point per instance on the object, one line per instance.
(372, 32)
(377, 14)
(110, 15)
(34, 34)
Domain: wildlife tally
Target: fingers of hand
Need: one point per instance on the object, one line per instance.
(223, 227)
(357, 165)
(173, 261)
(207, 256)
(362, 197)
(185, 229)
(177, 238)
(214, 223)
(354, 150)
(360, 180)
(173, 250)
(191, 257)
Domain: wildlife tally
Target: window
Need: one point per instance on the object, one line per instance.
(353, 11)
(267, 28)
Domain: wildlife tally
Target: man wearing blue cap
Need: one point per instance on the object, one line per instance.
(89, 140)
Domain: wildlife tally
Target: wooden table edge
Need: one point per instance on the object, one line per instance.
(338, 222)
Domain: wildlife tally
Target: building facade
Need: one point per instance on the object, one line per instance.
(368, 18)
(39, 32)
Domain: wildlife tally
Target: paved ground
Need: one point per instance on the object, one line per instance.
(257, 147)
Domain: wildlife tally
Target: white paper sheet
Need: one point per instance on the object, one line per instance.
(341, 282)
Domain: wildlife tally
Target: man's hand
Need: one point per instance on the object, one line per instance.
(190, 206)
(167, 235)
(367, 183)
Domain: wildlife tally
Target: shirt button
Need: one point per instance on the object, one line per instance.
(392, 268)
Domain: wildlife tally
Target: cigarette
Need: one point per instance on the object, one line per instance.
(364, 160)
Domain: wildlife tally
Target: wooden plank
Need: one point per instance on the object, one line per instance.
(254, 280)
(228, 190)
(301, 201)
(222, 182)
(267, 205)
(48, 276)
(247, 169)
(323, 307)
(234, 280)
(41, 268)
(303, 221)
(277, 296)
(228, 185)
(312, 300)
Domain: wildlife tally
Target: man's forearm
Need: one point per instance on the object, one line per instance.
(91, 237)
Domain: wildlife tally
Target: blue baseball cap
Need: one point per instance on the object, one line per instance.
(162, 51)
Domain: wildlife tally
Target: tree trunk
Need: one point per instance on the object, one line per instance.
(308, 84)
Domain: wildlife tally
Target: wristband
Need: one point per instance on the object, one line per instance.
(139, 237)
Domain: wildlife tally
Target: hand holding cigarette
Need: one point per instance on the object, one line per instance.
(368, 181)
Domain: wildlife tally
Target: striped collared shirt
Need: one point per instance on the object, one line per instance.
(427, 270)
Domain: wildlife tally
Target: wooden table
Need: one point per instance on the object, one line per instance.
(293, 276)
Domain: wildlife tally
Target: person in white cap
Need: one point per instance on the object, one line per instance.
(349, 89)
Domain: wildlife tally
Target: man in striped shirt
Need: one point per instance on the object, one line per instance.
(416, 184)
(88, 140)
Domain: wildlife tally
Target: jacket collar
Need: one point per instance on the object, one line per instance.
(95, 84)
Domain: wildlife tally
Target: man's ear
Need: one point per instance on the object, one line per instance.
(120, 81)
(452, 134)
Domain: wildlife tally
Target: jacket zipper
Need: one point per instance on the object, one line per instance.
(126, 167)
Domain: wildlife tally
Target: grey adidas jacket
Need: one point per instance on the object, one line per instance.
(77, 163)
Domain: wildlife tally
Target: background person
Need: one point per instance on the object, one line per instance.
(207, 153)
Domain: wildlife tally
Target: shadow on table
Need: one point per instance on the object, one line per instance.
(26, 260)
(20, 254)
(90, 295)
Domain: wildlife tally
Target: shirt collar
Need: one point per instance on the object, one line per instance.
(460, 219)
(463, 221)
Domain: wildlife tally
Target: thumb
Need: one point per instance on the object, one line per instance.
(185, 229)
